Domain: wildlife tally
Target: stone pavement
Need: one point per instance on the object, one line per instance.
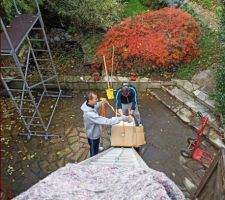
(187, 100)
(26, 162)
(166, 135)
(23, 162)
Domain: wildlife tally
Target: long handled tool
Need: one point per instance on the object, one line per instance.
(103, 108)
(109, 91)
(112, 64)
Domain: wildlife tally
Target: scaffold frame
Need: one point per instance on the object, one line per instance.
(15, 77)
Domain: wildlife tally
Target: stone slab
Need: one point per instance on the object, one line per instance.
(185, 115)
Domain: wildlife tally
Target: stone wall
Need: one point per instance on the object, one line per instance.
(87, 83)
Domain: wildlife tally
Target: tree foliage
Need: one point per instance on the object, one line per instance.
(220, 74)
(24, 6)
(86, 14)
(159, 39)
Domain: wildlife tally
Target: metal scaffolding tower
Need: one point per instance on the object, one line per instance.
(26, 34)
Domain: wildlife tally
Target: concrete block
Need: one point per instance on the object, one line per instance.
(210, 102)
(185, 115)
(196, 107)
(202, 96)
(92, 86)
(110, 79)
(116, 85)
(81, 85)
(143, 86)
(167, 83)
(97, 85)
(123, 79)
(88, 78)
(188, 86)
(69, 85)
(179, 82)
(69, 79)
(153, 85)
(136, 84)
(144, 79)
(61, 78)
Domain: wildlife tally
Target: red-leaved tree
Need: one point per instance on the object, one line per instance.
(158, 39)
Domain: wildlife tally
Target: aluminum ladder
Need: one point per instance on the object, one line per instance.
(118, 157)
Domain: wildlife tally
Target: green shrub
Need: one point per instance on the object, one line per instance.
(209, 45)
(222, 19)
(86, 14)
(220, 90)
(144, 1)
(122, 1)
(133, 8)
(152, 4)
(24, 6)
(220, 74)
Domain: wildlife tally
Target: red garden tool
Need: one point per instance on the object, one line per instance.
(194, 151)
(133, 76)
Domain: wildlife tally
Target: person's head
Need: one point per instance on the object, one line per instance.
(125, 90)
(91, 98)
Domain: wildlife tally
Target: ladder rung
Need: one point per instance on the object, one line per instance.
(45, 68)
(22, 99)
(51, 84)
(53, 92)
(48, 69)
(36, 29)
(16, 90)
(30, 117)
(37, 131)
(35, 124)
(15, 67)
(36, 39)
(12, 79)
(25, 108)
(42, 59)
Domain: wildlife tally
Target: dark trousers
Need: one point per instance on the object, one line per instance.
(94, 145)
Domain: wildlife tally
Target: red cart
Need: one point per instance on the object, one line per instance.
(194, 151)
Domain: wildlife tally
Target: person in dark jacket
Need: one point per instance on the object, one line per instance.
(93, 121)
(126, 102)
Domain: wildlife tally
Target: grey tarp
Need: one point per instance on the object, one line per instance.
(103, 182)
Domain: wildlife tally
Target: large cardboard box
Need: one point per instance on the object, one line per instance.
(127, 136)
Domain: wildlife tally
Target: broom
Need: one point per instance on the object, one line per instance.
(109, 91)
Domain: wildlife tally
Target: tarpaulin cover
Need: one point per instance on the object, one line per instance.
(103, 182)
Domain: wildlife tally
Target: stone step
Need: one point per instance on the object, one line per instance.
(194, 91)
(187, 115)
(194, 105)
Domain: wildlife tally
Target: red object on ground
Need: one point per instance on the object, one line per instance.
(198, 153)
(5, 193)
(96, 76)
(133, 76)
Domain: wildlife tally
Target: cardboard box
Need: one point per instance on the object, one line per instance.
(127, 136)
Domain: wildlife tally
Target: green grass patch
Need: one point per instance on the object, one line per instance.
(133, 8)
(209, 46)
